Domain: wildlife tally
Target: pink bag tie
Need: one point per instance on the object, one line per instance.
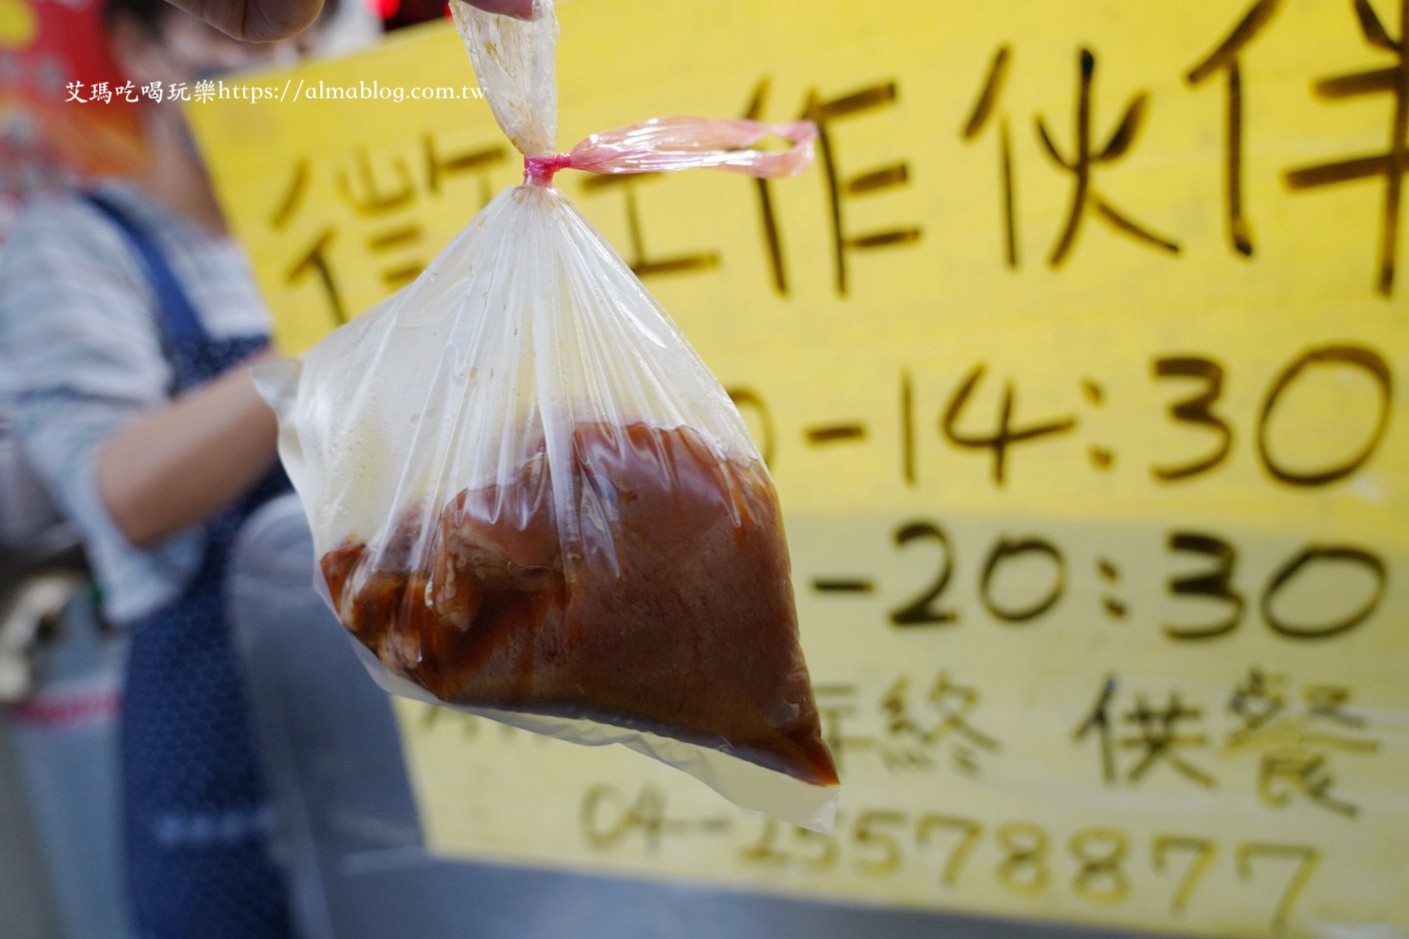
(679, 143)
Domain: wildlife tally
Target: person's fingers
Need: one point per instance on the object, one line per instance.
(267, 20)
(254, 20)
(523, 9)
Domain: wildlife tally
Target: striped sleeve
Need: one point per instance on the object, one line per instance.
(82, 356)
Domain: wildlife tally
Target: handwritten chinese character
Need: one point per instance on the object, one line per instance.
(1296, 761)
(826, 112)
(381, 196)
(1392, 164)
(1156, 738)
(952, 706)
(1084, 159)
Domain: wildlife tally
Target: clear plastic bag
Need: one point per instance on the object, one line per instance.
(531, 499)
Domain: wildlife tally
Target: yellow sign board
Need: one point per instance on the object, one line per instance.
(1079, 359)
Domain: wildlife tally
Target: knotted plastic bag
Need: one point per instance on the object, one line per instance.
(531, 499)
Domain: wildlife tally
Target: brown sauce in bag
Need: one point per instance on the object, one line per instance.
(672, 612)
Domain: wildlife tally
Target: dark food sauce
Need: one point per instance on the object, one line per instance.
(671, 612)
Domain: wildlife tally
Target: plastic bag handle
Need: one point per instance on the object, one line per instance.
(681, 143)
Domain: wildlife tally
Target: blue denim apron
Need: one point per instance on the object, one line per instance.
(196, 816)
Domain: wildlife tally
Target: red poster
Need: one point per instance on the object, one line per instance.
(52, 53)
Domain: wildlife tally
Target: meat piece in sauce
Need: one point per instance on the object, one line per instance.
(659, 600)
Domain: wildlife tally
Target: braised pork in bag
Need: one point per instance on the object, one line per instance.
(529, 496)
